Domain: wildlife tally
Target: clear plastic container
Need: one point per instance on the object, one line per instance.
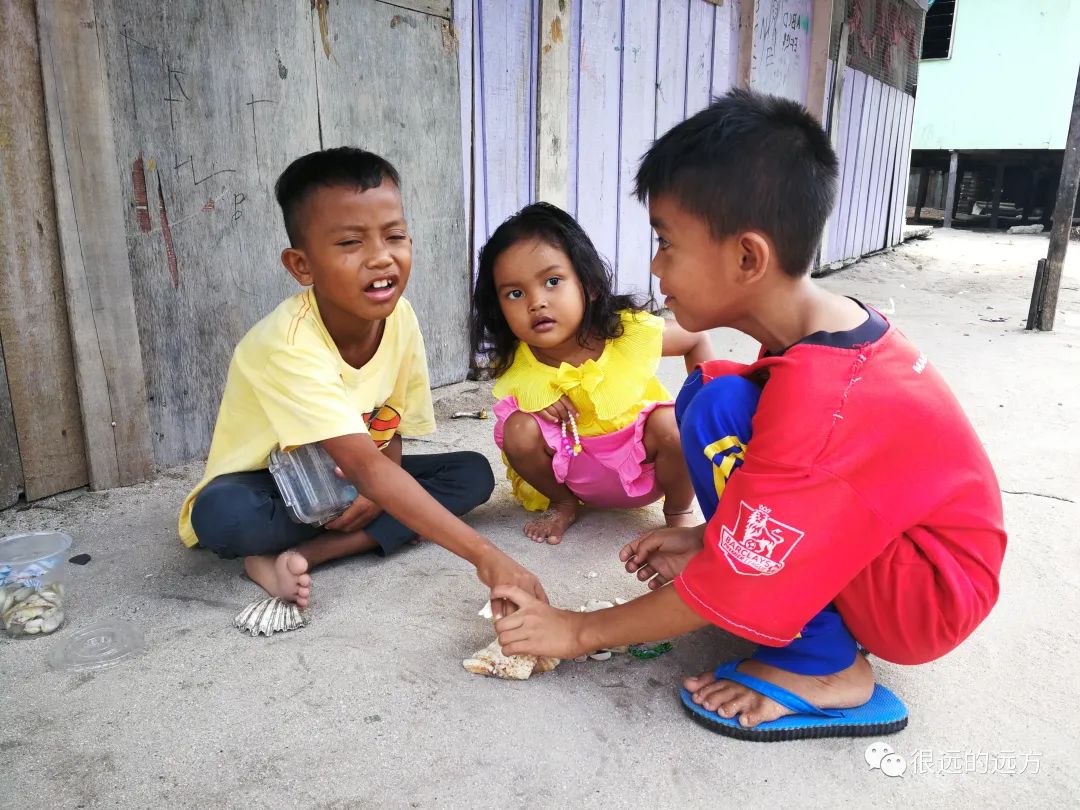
(312, 492)
(33, 577)
(98, 646)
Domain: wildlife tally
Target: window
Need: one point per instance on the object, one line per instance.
(938, 34)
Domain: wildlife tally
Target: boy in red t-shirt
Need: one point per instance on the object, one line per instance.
(849, 502)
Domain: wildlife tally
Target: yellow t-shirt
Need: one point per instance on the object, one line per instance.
(288, 385)
(608, 393)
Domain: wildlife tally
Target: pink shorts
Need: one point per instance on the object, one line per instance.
(610, 472)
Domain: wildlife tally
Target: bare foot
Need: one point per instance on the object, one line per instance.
(843, 690)
(681, 519)
(284, 576)
(550, 526)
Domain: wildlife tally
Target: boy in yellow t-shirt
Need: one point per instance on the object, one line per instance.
(341, 364)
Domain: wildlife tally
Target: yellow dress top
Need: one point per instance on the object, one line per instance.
(608, 392)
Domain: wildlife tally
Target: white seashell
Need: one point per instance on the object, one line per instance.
(269, 616)
(252, 624)
(266, 621)
(245, 614)
(600, 655)
(491, 661)
(294, 619)
(23, 613)
(594, 605)
(50, 623)
(32, 627)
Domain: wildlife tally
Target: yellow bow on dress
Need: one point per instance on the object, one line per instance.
(588, 375)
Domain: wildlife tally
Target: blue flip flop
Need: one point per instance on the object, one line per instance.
(884, 713)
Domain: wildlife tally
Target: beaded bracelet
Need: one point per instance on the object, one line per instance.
(568, 448)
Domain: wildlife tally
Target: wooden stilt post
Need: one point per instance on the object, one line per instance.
(920, 198)
(1063, 214)
(995, 204)
(950, 189)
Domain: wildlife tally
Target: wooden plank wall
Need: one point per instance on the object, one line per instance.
(874, 150)
(416, 127)
(504, 136)
(97, 276)
(780, 58)
(11, 474)
(203, 127)
(40, 423)
(635, 70)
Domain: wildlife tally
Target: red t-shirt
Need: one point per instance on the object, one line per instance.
(854, 451)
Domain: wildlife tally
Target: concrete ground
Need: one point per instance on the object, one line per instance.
(369, 705)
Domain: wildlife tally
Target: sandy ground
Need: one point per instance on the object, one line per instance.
(369, 706)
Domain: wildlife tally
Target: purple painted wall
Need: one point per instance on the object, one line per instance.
(636, 68)
(873, 144)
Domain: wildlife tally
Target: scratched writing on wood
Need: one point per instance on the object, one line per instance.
(780, 56)
(190, 143)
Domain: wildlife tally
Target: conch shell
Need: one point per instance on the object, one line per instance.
(491, 661)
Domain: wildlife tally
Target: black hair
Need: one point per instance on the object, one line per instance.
(341, 166)
(491, 335)
(749, 161)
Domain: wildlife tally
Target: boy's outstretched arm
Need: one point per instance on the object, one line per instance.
(694, 347)
(536, 628)
(396, 492)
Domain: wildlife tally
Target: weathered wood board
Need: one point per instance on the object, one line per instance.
(595, 77)
(636, 134)
(210, 102)
(700, 30)
(203, 126)
(671, 66)
(505, 130)
(780, 61)
(552, 96)
(97, 277)
(635, 71)
(44, 400)
(873, 139)
(412, 118)
(11, 474)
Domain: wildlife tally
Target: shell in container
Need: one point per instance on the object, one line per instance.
(32, 582)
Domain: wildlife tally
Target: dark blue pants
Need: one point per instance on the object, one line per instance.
(242, 514)
(715, 421)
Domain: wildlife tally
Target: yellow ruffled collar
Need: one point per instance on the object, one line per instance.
(612, 383)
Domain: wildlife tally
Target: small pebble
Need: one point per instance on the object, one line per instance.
(80, 559)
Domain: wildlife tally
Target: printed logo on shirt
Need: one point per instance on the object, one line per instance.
(758, 544)
(382, 424)
(920, 364)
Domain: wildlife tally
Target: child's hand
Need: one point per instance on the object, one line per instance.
(497, 570)
(359, 514)
(559, 411)
(661, 555)
(536, 628)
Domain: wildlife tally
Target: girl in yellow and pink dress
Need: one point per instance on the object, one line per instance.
(581, 417)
